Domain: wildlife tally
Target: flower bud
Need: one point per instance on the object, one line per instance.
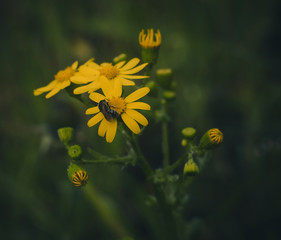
(150, 44)
(184, 142)
(65, 134)
(120, 58)
(75, 152)
(152, 86)
(211, 139)
(188, 132)
(164, 77)
(191, 168)
(169, 95)
(77, 175)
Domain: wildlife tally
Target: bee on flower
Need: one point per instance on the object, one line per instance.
(111, 106)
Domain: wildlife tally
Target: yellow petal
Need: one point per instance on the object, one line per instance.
(137, 94)
(120, 64)
(134, 70)
(64, 84)
(95, 119)
(138, 105)
(117, 87)
(74, 65)
(132, 63)
(126, 82)
(88, 71)
(137, 116)
(53, 92)
(111, 131)
(103, 127)
(131, 123)
(96, 97)
(78, 79)
(133, 76)
(89, 87)
(92, 110)
(47, 88)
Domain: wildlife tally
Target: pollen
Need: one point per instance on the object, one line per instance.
(108, 70)
(65, 74)
(118, 104)
(80, 178)
(215, 135)
(150, 40)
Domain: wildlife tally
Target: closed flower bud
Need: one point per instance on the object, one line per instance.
(188, 132)
(77, 175)
(191, 168)
(75, 152)
(150, 44)
(211, 139)
(65, 134)
(152, 86)
(120, 58)
(169, 95)
(184, 142)
(164, 77)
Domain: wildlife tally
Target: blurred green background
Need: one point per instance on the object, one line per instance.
(226, 59)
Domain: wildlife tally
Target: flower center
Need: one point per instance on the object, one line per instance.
(108, 70)
(65, 74)
(117, 104)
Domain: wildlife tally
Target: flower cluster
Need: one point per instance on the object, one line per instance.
(104, 85)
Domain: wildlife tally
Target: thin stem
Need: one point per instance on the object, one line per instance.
(108, 160)
(165, 144)
(105, 210)
(176, 164)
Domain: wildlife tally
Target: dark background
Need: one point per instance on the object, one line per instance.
(226, 60)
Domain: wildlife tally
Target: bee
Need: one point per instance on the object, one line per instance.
(107, 112)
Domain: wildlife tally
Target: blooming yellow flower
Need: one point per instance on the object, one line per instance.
(148, 41)
(62, 80)
(99, 76)
(111, 105)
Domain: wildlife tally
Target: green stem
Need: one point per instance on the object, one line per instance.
(176, 164)
(141, 159)
(165, 144)
(109, 160)
(105, 210)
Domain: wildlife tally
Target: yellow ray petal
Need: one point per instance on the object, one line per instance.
(138, 105)
(47, 88)
(74, 65)
(103, 127)
(96, 97)
(95, 119)
(137, 94)
(53, 92)
(133, 76)
(131, 123)
(88, 71)
(126, 82)
(137, 116)
(111, 131)
(78, 79)
(64, 84)
(89, 87)
(120, 64)
(132, 63)
(134, 70)
(117, 87)
(92, 110)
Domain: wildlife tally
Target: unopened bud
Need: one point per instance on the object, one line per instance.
(191, 168)
(75, 152)
(211, 139)
(65, 134)
(77, 175)
(120, 58)
(189, 132)
(164, 77)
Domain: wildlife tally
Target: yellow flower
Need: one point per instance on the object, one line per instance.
(111, 105)
(62, 80)
(215, 135)
(99, 76)
(148, 41)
